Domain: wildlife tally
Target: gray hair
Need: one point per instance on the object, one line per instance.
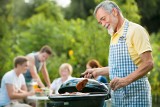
(106, 5)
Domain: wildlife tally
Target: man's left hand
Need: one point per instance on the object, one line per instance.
(117, 83)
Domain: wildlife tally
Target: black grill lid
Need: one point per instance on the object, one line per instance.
(91, 86)
(76, 97)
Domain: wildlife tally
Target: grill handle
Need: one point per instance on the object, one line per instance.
(57, 104)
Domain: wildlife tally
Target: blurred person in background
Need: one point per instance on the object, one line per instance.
(13, 86)
(37, 63)
(65, 72)
(95, 64)
(130, 58)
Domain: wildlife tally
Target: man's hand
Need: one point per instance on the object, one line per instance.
(26, 93)
(89, 73)
(117, 83)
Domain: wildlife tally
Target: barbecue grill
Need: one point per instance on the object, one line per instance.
(95, 93)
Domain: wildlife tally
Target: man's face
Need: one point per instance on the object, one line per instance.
(43, 56)
(107, 20)
(23, 67)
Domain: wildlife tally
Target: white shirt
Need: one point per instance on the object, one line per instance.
(57, 83)
(10, 78)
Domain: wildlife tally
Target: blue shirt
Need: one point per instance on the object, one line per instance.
(102, 79)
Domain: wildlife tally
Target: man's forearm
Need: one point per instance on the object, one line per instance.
(18, 95)
(40, 83)
(140, 72)
(46, 78)
(48, 81)
(103, 71)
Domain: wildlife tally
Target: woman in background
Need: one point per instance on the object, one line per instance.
(65, 72)
(95, 64)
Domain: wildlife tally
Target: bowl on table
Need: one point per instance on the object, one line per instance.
(39, 92)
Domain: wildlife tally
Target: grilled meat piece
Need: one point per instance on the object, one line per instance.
(81, 84)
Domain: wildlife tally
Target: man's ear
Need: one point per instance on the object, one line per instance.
(115, 12)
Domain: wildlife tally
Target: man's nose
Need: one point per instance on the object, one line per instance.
(44, 59)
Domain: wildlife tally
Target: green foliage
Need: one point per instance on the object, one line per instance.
(46, 25)
(129, 9)
(154, 76)
(149, 9)
(84, 45)
(79, 9)
(27, 27)
(85, 8)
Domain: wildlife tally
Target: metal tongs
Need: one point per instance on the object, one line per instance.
(82, 76)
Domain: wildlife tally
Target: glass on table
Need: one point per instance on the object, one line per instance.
(34, 84)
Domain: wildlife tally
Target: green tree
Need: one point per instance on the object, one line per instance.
(154, 76)
(149, 10)
(84, 8)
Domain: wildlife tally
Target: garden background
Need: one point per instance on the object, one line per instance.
(72, 32)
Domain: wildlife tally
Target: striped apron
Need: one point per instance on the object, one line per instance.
(136, 94)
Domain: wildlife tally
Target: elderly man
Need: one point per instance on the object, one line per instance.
(13, 85)
(130, 58)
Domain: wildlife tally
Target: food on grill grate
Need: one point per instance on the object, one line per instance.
(75, 93)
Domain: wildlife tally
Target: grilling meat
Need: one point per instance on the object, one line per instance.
(81, 84)
(74, 93)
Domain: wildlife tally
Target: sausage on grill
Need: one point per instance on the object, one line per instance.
(81, 84)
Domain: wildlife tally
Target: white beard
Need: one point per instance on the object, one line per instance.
(110, 31)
